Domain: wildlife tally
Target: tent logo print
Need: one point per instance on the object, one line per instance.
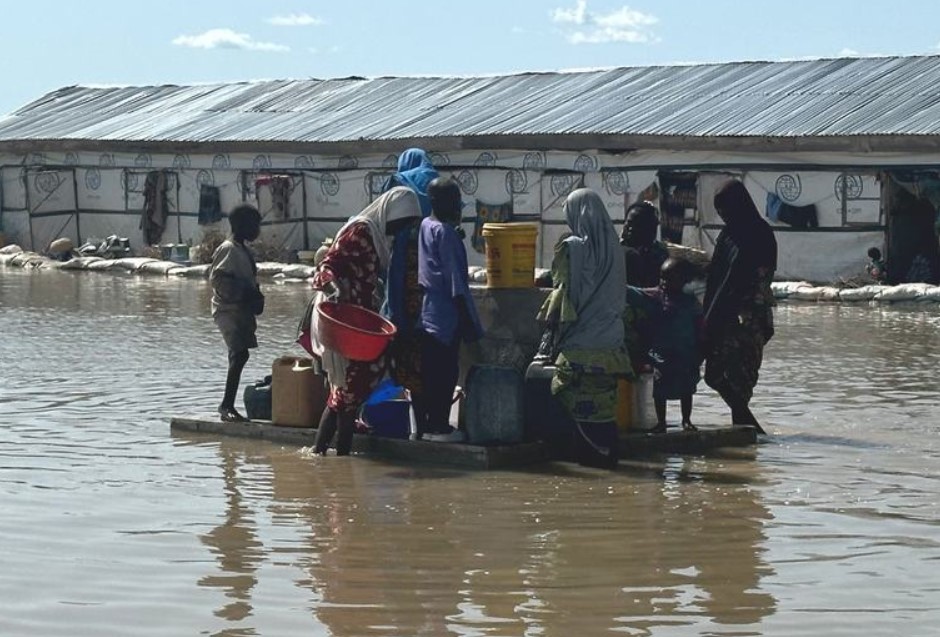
(467, 181)
(585, 164)
(303, 161)
(439, 159)
(486, 159)
(516, 181)
(617, 183)
(329, 184)
(533, 161)
(205, 178)
(788, 187)
(47, 181)
(92, 179)
(852, 185)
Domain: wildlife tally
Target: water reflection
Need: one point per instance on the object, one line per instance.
(834, 516)
(390, 550)
(235, 545)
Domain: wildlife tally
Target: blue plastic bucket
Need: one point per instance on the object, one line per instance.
(389, 418)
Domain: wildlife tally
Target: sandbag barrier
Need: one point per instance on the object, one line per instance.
(14, 256)
(875, 294)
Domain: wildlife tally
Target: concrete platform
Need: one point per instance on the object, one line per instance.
(450, 454)
(636, 445)
(677, 441)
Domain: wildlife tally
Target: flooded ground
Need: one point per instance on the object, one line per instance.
(113, 525)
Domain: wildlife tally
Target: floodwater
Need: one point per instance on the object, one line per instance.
(113, 525)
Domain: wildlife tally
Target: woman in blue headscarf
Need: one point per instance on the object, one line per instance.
(415, 171)
(586, 307)
(404, 296)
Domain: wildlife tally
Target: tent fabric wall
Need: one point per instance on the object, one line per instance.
(16, 228)
(14, 188)
(834, 254)
(101, 189)
(332, 197)
(50, 198)
(50, 190)
(328, 189)
(47, 229)
(825, 190)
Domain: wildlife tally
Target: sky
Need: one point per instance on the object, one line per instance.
(50, 44)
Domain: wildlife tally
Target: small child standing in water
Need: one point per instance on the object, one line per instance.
(675, 339)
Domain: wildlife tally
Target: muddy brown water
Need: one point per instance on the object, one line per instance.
(113, 525)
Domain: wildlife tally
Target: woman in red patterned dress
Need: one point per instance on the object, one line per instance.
(350, 273)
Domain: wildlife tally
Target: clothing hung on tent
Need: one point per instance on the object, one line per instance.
(153, 218)
(210, 205)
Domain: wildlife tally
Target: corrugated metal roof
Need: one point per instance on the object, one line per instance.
(846, 97)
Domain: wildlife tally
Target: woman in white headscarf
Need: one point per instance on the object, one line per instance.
(585, 310)
(350, 273)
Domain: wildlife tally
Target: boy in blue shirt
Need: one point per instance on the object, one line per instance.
(448, 314)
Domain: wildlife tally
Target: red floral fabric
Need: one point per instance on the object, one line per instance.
(353, 264)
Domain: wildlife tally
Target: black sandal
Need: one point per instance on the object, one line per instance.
(227, 414)
(659, 429)
(687, 426)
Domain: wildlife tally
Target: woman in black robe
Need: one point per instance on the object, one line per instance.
(738, 301)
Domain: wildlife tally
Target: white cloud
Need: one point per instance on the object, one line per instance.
(570, 16)
(294, 20)
(582, 26)
(226, 39)
(517, 30)
(848, 53)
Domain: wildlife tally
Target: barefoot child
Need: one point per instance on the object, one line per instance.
(675, 339)
(236, 300)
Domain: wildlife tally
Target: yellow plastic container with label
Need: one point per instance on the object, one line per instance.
(635, 411)
(510, 254)
(298, 392)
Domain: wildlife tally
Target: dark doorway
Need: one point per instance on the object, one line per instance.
(912, 252)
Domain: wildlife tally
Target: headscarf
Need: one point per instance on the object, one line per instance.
(745, 226)
(597, 279)
(397, 203)
(745, 246)
(415, 171)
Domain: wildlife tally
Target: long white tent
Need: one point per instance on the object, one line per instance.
(830, 136)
